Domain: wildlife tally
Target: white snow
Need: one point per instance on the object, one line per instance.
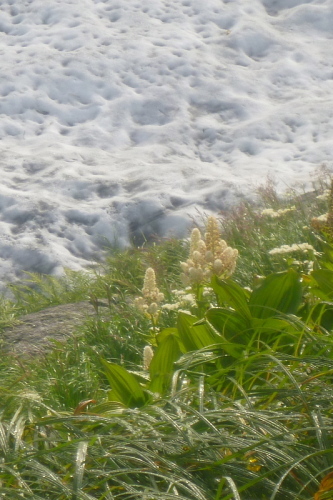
(123, 117)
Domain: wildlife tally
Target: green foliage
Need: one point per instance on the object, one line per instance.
(279, 293)
(124, 387)
(231, 293)
(236, 402)
(40, 291)
(194, 335)
(162, 365)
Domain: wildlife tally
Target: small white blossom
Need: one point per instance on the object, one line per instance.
(275, 214)
(209, 256)
(172, 307)
(189, 297)
(195, 274)
(217, 266)
(325, 195)
(321, 218)
(296, 247)
(184, 299)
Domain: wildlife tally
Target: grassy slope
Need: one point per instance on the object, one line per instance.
(197, 443)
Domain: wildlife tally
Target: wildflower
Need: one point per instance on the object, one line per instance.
(140, 303)
(172, 307)
(228, 257)
(193, 268)
(188, 298)
(208, 257)
(150, 291)
(252, 462)
(321, 218)
(309, 264)
(184, 299)
(305, 265)
(222, 257)
(196, 243)
(320, 223)
(275, 214)
(296, 247)
(324, 196)
(325, 223)
(151, 296)
(152, 309)
(212, 237)
(148, 355)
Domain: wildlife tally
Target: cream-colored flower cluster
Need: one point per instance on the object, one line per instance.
(208, 256)
(296, 247)
(184, 299)
(151, 296)
(305, 265)
(275, 214)
(321, 218)
(325, 195)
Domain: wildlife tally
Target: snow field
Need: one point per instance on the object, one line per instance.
(121, 119)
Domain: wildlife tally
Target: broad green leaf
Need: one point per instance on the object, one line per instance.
(324, 280)
(194, 336)
(277, 333)
(233, 327)
(313, 287)
(230, 324)
(279, 293)
(160, 337)
(229, 292)
(124, 386)
(273, 326)
(161, 366)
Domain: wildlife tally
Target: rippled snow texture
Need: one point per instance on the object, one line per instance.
(119, 118)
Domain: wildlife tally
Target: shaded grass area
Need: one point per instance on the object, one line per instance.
(257, 425)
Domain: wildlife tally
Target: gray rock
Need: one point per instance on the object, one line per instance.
(33, 334)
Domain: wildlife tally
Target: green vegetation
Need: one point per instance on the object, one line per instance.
(208, 375)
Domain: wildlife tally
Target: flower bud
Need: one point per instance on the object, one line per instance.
(196, 256)
(152, 309)
(139, 302)
(218, 267)
(148, 355)
(209, 256)
(195, 274)
(202, 246)
(195, 238)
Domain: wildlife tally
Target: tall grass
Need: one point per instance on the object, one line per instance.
(248, 416)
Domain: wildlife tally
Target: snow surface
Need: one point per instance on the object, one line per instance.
(121, 118)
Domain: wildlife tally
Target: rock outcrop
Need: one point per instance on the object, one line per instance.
(34, 332)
